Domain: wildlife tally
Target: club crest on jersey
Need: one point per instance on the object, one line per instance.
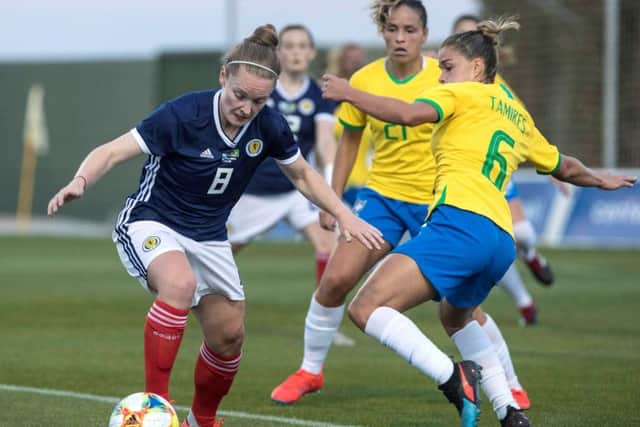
(306, 106)
(150, 243)
(230, 156)
(254, 147)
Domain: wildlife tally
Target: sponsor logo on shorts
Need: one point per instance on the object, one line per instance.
(150, 243)
(254, 147)
(358, 206)
(306, 106)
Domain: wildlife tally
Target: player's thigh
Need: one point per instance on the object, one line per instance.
(396, 282)
(153, 253)
(171, 276)
(222, 323)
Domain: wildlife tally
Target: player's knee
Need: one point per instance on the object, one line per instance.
(184, 287)
(232, 336)
(227, 340)
(334, 287)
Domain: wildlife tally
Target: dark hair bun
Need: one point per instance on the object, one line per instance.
(265, 35)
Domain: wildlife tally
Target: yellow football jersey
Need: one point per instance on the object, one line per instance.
(482, 135)
(402, 167)
(360, 170)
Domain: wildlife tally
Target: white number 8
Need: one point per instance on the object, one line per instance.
(220, 181)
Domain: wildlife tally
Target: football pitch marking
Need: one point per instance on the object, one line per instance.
(114, 400)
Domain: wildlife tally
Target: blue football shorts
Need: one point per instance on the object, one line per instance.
(462, 254)
(392, 217)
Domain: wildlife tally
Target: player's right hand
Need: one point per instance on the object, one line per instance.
(334, 87)
(327, 221)
(73, 190)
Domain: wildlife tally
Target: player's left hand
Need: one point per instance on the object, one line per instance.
(351, 227)
(334, 87)
(614, 182)
(327, 221)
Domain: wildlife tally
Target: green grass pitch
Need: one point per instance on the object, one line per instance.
(71, 319)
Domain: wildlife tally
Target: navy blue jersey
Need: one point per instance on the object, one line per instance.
(195, 173)
(301, 111)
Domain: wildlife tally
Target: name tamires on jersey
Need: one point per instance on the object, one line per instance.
(208, 172)
(301, 110)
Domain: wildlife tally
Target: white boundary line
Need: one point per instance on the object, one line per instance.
(114, 400)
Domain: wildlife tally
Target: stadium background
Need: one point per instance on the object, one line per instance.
(556, 65)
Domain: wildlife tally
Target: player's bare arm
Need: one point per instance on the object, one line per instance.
(97, 163)
(325, 144)
(345, 157)
(381, 107)
(312, 185)
(573, 171)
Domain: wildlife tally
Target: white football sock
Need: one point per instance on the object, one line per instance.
(474, 344)
(502, 350)
(399, 333)
(513, 285)
(526, 238)
(320, 328)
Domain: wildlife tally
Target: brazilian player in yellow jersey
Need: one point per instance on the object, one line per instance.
(398, 191)
(523, 229)
(481, 136)
(402, 167)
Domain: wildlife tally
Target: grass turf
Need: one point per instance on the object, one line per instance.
(72, 320)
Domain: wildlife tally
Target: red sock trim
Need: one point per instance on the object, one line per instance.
(220, 363)
(163, 333)
(165, 316)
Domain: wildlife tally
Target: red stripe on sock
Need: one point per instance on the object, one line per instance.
(226, 365)
(211, 385)
(162, 338)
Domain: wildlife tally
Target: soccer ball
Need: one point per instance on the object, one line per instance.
(143, 410)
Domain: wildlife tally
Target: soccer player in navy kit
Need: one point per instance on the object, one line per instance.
(202, 150)
(270, 196)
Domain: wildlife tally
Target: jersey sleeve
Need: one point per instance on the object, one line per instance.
(349, 116)
(325, 110)
(442, 98)
(282, 145)
(158, 134)
(543, 155)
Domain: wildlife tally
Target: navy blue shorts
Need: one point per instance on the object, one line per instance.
(392, 217)
(462, 254)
